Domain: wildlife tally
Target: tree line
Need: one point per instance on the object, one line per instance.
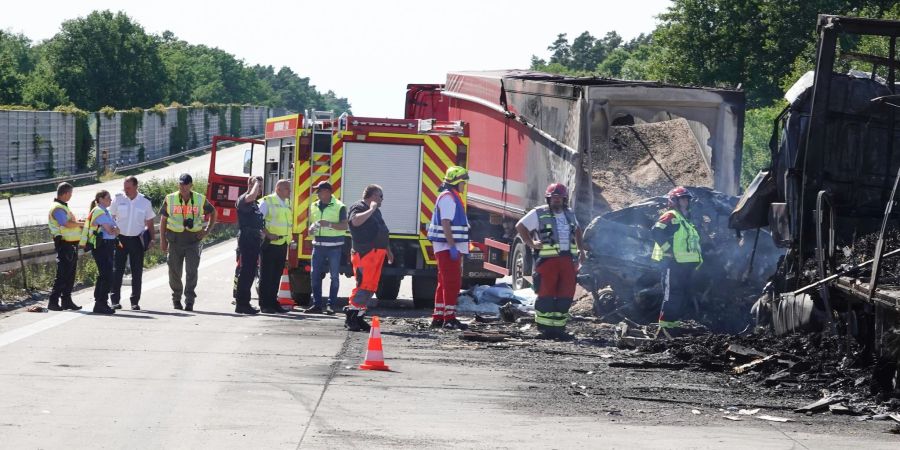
(107, 59)
(760, 45)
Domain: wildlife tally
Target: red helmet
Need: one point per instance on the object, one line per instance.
(678, 192)
(557, 190)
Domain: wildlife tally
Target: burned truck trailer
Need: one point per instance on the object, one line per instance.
(829, 196)
(528, 129)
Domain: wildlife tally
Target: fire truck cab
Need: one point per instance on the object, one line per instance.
(406, 157)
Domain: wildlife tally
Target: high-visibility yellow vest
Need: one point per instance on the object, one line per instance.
(328, 237)
(278, 219)
(90, 232)
(179, 211)
(550, 235)
(68, 234)
(685, 246)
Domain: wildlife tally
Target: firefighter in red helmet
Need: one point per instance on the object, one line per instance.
(677, 248)
(554, 234)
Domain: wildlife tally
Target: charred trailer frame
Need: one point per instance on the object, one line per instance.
(834, 178)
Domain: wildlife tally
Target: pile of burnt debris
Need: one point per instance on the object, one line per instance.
(848, 379)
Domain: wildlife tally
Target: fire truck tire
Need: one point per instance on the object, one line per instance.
(388, 288)
(423, 292)
(301, 290)
(520, 265)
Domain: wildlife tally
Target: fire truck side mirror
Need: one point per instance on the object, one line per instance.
(248, 161)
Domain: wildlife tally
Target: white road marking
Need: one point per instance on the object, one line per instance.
(60, 318)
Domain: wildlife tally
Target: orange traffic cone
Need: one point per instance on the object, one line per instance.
(374, 354)
(284, 291)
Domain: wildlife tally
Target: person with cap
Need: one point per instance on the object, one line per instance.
(552, 231)
(181, 230)
(371, 247)
(66, 231)
(276, 211)
(328, 219)
(449, 235)
(250, 238)
(134, 215)
(677, 249)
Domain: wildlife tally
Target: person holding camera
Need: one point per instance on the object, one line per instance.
(180, 232)
(99, 238)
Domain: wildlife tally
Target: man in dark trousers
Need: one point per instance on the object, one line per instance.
(252, 225)
(134, 215)
(371, 246)
(276, 210)
(66, 232)
(677, 249)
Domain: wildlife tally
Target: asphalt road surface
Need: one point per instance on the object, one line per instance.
(161, 378)
(32, 209)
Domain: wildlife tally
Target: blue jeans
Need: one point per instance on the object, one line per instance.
(322, 258)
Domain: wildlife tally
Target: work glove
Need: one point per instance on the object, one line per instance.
(454, 254)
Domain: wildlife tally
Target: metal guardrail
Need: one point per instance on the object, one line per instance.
(31, 254)
(84, 176)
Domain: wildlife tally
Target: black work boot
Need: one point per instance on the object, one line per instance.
(102, 308)
(353, 320)
(437, 323)
(177, 305)
(245, 308)
(361, 321)
(53, 305)
(455, 324)
(67, 303)
(188, 305)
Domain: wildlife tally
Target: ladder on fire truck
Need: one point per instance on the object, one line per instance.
(321, 125)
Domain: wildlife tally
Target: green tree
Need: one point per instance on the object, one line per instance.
(107, 59)
(561, 52)
(16, 61)
(758, 125)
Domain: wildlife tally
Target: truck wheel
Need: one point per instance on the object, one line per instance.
(388, 288)
(423, 292)
(521, 266)
(301, 290)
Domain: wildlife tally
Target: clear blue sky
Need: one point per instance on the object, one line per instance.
(364, 50)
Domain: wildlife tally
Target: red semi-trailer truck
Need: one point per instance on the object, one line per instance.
(528, 129)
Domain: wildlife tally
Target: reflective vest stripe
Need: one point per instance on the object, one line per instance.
(685, 246)
(278, 219)
(547, 225)
(328, 237)
(90, 232)
(68, 234)
(459, 224)
(178, 211)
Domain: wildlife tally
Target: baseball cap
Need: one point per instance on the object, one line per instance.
(324, 185)
(185, 178)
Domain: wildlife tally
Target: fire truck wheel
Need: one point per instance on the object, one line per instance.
(388, 288)
(423, 292)
(521, 266)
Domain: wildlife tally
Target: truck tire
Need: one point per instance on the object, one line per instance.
(301, 289)
(521, 266)
(423, 292)
(388, 288)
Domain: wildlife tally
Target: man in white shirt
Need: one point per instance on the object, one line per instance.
(552, 231)
(134, 215)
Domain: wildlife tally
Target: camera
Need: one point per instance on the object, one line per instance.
(189, 222)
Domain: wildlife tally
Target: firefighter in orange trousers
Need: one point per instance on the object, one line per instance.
(554, 234)
(449, 235)
(371, 247)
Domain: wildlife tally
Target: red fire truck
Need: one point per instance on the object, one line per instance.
(406, 157)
